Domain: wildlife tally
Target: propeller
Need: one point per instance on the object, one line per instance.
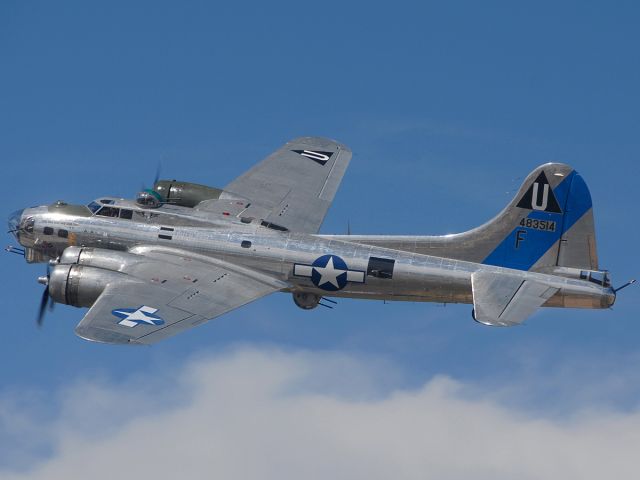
(158, 171)
(155, 178)
(45, 299)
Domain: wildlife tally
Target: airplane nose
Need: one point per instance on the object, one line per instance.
(14, 222)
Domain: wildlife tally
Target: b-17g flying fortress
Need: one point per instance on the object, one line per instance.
(181, 253)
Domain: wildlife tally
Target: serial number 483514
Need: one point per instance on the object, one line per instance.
(544, 225)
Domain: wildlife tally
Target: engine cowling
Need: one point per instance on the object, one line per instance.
(99, 257)
(78, 285)
(82, 273)
(185, 194)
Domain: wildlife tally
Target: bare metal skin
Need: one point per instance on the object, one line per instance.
(183, 254)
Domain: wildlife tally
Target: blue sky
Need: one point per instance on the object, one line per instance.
(447, 107)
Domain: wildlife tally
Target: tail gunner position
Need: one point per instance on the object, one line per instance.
(181, 254)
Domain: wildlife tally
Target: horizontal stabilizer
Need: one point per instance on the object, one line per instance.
(502, 299)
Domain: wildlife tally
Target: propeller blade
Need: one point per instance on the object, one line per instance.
(143, 187)
(46, 302)
(158, 170)
(43, 305)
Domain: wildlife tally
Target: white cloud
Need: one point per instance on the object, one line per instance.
(262, 414)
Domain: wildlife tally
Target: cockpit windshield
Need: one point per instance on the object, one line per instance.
(115, 212)
(109, 212)
(94, 207)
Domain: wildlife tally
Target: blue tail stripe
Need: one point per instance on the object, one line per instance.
(578, 203)
(523, 247)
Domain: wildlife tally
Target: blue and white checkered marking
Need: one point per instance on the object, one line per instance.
(136, 316)
(329, 272)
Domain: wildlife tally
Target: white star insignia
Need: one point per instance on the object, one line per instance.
(141, 315)
(329, 274)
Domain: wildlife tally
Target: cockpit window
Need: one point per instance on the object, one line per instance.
(106, 201)
(109, 212)
(94, 207)
(126, 214)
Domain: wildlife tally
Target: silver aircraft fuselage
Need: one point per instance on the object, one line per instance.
(286, 255)
(181, 254)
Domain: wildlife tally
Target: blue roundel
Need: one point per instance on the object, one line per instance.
(329, 273)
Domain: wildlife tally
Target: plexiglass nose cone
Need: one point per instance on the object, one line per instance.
(14, 222)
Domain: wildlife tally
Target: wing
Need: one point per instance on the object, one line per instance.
(294, 186)
(168, 292)
(501, 299)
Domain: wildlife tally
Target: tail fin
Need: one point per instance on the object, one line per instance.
(548, 223)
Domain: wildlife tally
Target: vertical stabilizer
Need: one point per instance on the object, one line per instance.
(551, 223)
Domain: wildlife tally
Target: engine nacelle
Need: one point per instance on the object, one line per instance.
(185, 194)
(99, 257)
(78, 285)
(306, 300)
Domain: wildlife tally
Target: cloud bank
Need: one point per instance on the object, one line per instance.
(268, 414)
